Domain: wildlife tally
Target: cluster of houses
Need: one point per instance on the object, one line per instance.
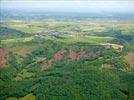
(51, 33)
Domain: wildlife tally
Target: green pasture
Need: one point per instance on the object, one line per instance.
(85, 39)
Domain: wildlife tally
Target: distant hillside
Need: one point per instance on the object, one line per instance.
(10, 33)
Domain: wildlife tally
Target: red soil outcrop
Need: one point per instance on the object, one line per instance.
(72, 55)
(79, 55)
(58, 56)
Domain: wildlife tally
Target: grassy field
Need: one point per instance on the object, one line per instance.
(8, 41)
(85, 39)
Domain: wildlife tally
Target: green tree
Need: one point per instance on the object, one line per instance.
(12, 60)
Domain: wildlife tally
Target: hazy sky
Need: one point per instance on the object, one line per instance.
(72, 5)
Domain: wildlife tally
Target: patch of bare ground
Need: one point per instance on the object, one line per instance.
(115, 46)
(72, 55)
(47, 65)
(3, 60)
(106, 66)
(89, 55)
(58, 56)
(80, 55)
(130, 59)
